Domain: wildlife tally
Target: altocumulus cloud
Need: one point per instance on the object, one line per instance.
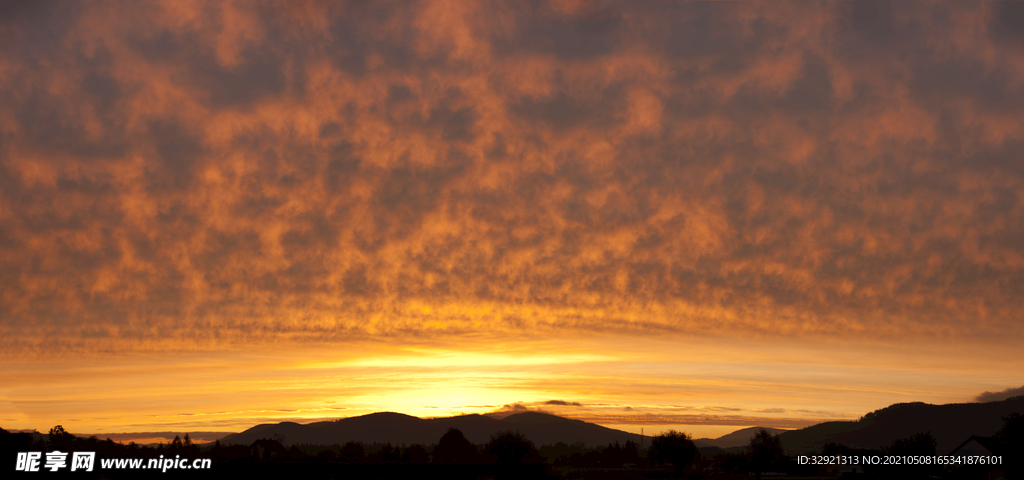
(219, 174)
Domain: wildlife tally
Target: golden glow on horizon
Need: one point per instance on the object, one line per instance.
(705, 388)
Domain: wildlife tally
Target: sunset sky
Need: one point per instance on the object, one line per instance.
(700, 216)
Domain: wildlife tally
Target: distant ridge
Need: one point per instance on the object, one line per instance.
(950, 424)
(739, 438)
(397, 428)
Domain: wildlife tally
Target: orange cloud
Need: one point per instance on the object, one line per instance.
(237, 175)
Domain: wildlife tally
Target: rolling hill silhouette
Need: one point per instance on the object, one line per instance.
(739, 438)
(950, 424)
(398, 428)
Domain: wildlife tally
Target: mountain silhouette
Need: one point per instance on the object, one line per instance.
(739, 438)
(283, 430)
(397, 428)
(950, 424)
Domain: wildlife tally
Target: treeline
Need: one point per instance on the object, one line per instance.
(452, 448)
(509, 454)
(509, 447)
(59, 439)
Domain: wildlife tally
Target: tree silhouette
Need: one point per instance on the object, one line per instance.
(327, 455)
(1012, 430)
(188, 447)
(617, 455)
(765, 451)
(1011, 434)
(454, 448)
(14, 442)
(512, 448)
(918, 444)
(352, 452)
(630, 452)
(674, 447)
(415, 453)
(61, 439)
(387, 454)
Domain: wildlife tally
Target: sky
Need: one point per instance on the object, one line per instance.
(697, 216)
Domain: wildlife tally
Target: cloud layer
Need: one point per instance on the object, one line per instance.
(185, 175)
